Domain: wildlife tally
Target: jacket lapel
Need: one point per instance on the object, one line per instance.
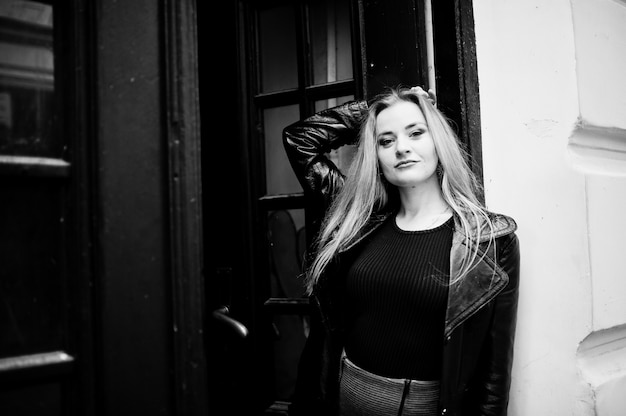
(483, 282)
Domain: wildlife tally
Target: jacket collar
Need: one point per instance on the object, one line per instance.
(485, 279)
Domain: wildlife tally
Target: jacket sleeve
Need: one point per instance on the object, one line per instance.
(307, 143)
(497, 355)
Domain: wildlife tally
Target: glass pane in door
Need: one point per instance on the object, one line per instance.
(290, 340)
(27, 100)
(287, 242)
(31, 240)
(331, 41)
(277, 44)
(280, 178)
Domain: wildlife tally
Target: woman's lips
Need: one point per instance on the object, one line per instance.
(405, 163)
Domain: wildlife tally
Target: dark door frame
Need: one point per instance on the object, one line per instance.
(149, 256)
(457, 74)
(185, 207)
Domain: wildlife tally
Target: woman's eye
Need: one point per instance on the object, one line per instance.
(417, 133)
(384, 142)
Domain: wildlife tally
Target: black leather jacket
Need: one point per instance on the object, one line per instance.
(481, 314)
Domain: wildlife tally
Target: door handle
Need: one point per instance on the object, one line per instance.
(223, 315)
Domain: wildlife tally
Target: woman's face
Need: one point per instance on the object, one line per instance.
(406, 151)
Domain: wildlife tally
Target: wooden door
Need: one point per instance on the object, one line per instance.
(101, 273)
(44, 258)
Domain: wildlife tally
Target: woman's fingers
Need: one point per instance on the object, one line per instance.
(430, 95)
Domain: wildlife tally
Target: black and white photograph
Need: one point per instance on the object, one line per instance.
(312, 208)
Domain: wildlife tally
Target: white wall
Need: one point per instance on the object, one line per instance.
(550, 79)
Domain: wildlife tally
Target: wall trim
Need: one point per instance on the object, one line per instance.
(598, 150)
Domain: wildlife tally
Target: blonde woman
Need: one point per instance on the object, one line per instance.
(413, 282)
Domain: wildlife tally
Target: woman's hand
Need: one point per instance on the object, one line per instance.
(430, 95)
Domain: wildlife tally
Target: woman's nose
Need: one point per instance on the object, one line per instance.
(402, 145)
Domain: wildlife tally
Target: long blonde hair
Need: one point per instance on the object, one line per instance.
(365, 193)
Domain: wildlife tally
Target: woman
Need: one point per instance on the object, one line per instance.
(413, 283)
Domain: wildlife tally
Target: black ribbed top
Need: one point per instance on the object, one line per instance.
(396, 297)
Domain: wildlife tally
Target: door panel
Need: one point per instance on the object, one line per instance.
(36, 341)
(33, 287)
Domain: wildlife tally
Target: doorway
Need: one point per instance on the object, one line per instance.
(263, 65)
